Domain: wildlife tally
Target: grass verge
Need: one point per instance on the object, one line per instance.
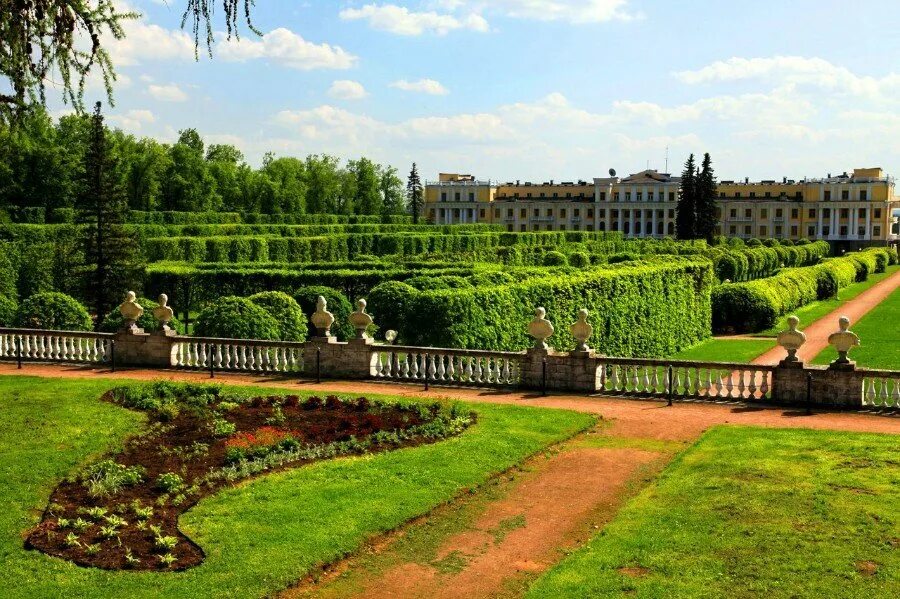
(726, 350)
(750, 512)
(259, 536)
(879, 337)
(814, 311)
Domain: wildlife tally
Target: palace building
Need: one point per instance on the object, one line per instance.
(850, 210)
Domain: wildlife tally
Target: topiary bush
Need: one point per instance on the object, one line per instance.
(554, 258)
(236, 318)
(8, 309)
(286, 312)
(389, 302)
(52, 310)
(113, 321)
(338, 305)
(579, 259)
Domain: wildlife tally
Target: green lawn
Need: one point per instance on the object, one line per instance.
(816, 310)
(879, 334)
(260, 536)
(751, 512)
(726, 350)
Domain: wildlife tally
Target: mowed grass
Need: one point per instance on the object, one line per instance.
(879, 334)
(726, 350)
(816, 310)
(752, 512)
(260, 536)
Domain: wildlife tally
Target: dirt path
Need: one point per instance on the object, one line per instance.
(554, 503)
(817, 332)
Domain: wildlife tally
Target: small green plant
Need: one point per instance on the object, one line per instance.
(167, 560)
(222, 428)
(116, 521)
(64, 523)
(169, 482)
(277, 417)
(164, 542)
(143, 513)
(94, 513)
(71, 540)
(93, 549)
(108, 478)
(109, 532)
(80, 524)
(130, 560)
(141, 525)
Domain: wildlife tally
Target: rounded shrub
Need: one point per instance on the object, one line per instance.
(338, 305)
(113, 321)
(554, 258)
(236, 318)
(579, 259)
(52, 310)
(739, 308)
(8, 309)
(286, 312)
(390, 303)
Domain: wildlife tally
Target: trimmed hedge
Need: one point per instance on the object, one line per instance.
(652, 308)
(236, 318)
(756, 305)
(286, 312)
(53, 311)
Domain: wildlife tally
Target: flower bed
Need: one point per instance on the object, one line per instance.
(121, 512)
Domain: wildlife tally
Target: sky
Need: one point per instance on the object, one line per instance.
(529, 89)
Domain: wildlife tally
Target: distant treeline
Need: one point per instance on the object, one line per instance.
(42, 169)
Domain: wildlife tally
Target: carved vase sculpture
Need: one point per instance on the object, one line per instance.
(164, 314)
(360, 320)
(843, 340)
(792, 339)
(540, 328)
(131, 311)
(322, 319)
(582, 331)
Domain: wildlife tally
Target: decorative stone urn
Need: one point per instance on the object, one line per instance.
(843, 340)
(792, 339)
(322, 319)
(540, 328)
(582, 331)
(164, 314)
(131, 311)
(360, 320)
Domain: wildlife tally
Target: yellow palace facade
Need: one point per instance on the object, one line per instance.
(852, 209)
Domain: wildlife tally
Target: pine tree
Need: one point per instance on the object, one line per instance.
(705, 207)
(111, 257)
(686, 211)
(414, 196)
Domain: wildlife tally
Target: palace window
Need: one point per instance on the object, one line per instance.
(827, 195)
(863, 195)
(811, 231)
(845, 194)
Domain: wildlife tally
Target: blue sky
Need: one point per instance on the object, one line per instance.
(531, 89)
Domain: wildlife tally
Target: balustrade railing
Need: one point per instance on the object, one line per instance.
(34, 345)
(682, 379)
(237, 355)
(448, 366)
(881, 388)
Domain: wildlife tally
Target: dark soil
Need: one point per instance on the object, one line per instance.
(172, 447)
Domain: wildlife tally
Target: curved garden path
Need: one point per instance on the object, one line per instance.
(817, 332)
(521, 523)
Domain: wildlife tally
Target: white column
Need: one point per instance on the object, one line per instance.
(868, 234)
(631, 227)
(819, 229)
(835, 222)
(653, 223)
(853, 227)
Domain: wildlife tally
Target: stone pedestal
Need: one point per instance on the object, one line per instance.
(353, 360)
(833, 386)
(576, 372)
(134, 347)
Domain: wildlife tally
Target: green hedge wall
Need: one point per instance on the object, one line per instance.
(756, 305)
(651, 308)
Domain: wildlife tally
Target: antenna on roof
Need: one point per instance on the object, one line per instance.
(667, 159)
(612, 172)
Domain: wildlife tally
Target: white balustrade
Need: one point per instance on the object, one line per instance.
(881, 389)
(55, 346)
(448, 366)
(234, 355)
(683, 380)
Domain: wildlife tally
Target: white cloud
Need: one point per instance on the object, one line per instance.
(402, 21)
(797, 70)
(167, 93)
(422, 86)
(132, 119)
(572, 11)
(345, 89)
(145, 41)
(285, 47)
